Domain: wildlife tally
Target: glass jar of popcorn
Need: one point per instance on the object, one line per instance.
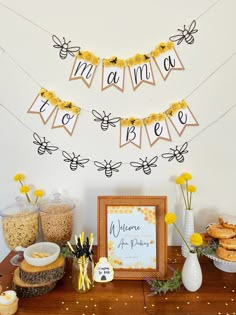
(20, 227)
(56, 215)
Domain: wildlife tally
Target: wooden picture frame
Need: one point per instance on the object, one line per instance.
(132, 234)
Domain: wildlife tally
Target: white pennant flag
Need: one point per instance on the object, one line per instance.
(43, 107)
(156, 131)
(65, 119)
(113, 76)
(130, 134)
(168, 61)
(182, 119)
(83, 69)
(141, 73)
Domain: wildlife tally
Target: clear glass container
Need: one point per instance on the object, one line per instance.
(82, 274)
(20, 227)
(56, 216)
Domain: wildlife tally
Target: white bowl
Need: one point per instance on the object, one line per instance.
(52, 249)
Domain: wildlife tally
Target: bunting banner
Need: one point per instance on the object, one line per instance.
(46, 103)
(156, 124)
(113, 69)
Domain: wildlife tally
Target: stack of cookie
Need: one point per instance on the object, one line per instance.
(225, 232)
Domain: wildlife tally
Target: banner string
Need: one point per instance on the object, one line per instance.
(51, 34)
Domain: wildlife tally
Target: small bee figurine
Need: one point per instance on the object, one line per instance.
(43, 145)
(74, 160)
(105, 120)
(108, 167)
(145, 165)
(64, 47)
(177, 153)
(186, 34)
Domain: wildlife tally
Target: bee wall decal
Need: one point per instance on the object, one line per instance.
(105, 120)
(177, 153)
(108, 167)
(64, 47)
(186, 34)
(43, 145)
(74, 160)
(145, 165)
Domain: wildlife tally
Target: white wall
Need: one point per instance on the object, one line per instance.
(120, 28)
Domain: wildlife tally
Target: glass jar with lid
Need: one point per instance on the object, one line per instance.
(56, 215)
(20, 227)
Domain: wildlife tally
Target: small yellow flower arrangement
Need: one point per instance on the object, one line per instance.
(88, 56)
(187, 190)
(195, 239)
(24, 189)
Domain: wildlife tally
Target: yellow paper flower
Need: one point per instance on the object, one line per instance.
(196, 239)
(183, 104)
(138, 123)
(154, 117)
(24, 189)
(131, 62)
(106, 62)
(147, 121)
(124, 122)
(19, 177)
(38, 193)
(138, 58)
(170, 218)
(155, 53)
(75, 110)
(54, 101)
(48, 95)
(170, 45)
(121, 63)
(162, 47)
(42, 92)
(191, 188)
(175, 107)
(61, 105)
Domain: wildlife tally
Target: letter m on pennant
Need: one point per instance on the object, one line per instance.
(84, 70)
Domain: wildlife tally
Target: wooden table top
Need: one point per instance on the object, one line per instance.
(217, 295)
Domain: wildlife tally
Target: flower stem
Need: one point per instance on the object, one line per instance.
(182, 236)
(186, 205)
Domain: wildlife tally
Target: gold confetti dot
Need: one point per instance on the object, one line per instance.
(86, 306)
(219, 313)
(197, 297)
(95, 305)
(232, 299)
(166, 298)
(177, 307)
(226, 304)
(208, 303)
(153, 305)
(232, 290)
(77, 302)
(225, 287)
(67, 309)
(62, 302)
(117, 299)
(91, 299)
(188, 302)
(131, 296)
(125, 303)
(110, 308)
(145, 306)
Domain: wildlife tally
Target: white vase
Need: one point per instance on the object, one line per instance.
(188, 230)
(192, 273)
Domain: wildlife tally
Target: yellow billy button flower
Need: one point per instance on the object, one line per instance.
(191, 188)
(187, 176)
(19, 177)
(38, 193)
(196, 239)
(179, 180)
(170, 218)
(24, 189)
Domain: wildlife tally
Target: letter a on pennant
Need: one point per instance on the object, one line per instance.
(66, 120)
(130, 134)
(42, 107)
(113, 76)
(84, 70)
(168, 61)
